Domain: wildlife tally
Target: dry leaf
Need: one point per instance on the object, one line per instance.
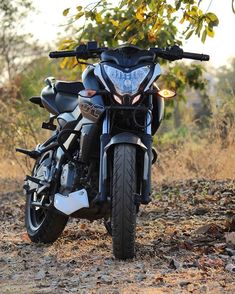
(210, 229)
(25, 237)
(230, 238)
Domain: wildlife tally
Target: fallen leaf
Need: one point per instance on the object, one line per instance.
(175, 264)
(230, 238)
(230, 224)
(82, 226)
(210, 229)
(205, 262)
(25, 237)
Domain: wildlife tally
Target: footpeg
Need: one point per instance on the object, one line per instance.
(32, 184)
(31, 153)
(50, 124)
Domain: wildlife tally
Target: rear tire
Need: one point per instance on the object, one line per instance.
(123, 201)
(43, 225)
(49, 229)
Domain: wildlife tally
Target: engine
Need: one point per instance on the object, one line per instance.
(67, 179)
(75, 176)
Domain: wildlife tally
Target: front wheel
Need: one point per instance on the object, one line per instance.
(123, 201)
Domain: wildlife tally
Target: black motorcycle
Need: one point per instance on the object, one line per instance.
(97, 164)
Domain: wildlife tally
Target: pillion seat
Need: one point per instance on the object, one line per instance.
(69, 87)
(60, 96)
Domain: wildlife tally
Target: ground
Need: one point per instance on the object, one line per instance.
(185, 244)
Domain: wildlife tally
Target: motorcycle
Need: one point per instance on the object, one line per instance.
(97, 163)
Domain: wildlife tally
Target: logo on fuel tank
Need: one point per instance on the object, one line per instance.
(93, 110)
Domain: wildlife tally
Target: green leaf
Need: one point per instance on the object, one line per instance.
(189, 34)
(182, 20)
(141, 35)
(114, 22)
(140, 13)
(153, 5)
(213, 18)
(79, 15)
(210, 32)
(79, 8)
(199, 28)
(98, 17)
(178, 4)
(204, 34)
(66, 11)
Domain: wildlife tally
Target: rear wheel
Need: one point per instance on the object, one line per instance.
(123, 201)
(43, 223)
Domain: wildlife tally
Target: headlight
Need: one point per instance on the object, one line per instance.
(126, 83)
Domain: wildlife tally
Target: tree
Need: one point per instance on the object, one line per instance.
(144, 22)
(21, 120)
(224, 108)
(15, 47)
(226, 82)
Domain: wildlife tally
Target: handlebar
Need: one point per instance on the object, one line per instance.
(176, 53)
(91, 50)
(60, 54)
(196, 56)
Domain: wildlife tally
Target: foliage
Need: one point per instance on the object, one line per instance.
(144, 22)
(15, 47)
(21, 120)
(226, 81)
(220, 126)
(181, 77)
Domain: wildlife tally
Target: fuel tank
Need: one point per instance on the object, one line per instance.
(91, 108)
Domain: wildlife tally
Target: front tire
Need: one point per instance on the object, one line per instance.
(123, 201)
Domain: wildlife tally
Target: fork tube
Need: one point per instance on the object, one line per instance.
(106, 123)
(147, 140)
(104, 140)
(148, 123)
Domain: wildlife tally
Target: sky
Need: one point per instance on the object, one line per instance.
(49, 22)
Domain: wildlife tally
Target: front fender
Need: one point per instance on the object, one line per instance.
(129, 138)
(125, 138)
(121, 138)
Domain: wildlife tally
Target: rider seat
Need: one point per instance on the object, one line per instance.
(59, 97)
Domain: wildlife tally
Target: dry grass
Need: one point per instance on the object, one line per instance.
(203, 160)
(189, 160)
(10, 169)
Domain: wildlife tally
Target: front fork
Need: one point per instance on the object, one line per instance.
(104, 140)
(146, 147)
(147, 141)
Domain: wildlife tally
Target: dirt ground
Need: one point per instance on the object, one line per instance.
(185, 244)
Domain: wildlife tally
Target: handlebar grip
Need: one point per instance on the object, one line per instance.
(61, 54)
(196, 56)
